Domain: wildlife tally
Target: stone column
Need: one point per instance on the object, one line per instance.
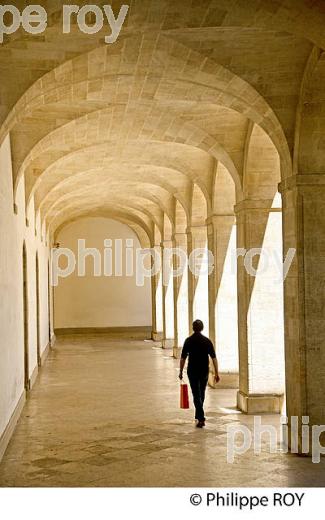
(168, 295)
(223, 291)
(212, 281)
(198, 285)
(303, 199)
(190, 282)
(260, 308)
(157, 301)
(180, 294)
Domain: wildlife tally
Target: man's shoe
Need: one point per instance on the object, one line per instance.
(200, 424)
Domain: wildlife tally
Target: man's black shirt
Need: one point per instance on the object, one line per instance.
(198, 348)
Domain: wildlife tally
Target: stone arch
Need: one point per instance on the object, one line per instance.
(181, 218)
(200, 207)
(217, 79)
(224, 195)
(151, 186)
(260, 293)
(309, 153)
(135, 212)
(143, 233)
(102, 153)
(261, 166)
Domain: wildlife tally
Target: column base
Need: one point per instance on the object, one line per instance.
(157, 336)
(227, 380)
(44, 354)
(177, 352)
(168, 343)
(33, 378)
(256, 404)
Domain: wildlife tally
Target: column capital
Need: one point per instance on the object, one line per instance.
(196, 229)
(167, 243)
(197, 234)
(312, 180)
(180, 238)
(213, 221)
(179, 235)
(216, 217)
(255, 205)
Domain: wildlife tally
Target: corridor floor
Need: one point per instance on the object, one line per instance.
(105, 412)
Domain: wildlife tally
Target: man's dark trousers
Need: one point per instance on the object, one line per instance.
(198, 382)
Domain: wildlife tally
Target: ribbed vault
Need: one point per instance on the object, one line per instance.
(187, 91)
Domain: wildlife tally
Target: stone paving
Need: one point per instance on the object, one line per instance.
(105, 412)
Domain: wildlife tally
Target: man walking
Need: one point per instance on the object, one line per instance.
(198, 348)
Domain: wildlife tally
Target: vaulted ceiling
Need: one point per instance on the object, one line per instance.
(133, 128)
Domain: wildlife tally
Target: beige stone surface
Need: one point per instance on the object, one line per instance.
(95, 307)
(199, 106)
(105, 412)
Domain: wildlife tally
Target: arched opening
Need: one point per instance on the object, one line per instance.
(97, 284)
(265, 321)
(260, 280)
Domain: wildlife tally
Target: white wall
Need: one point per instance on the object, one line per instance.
(13, 232)
(104, 301)
(43, 262)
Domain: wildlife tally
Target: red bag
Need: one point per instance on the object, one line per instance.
(184, 401)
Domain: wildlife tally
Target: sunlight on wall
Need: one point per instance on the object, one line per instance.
(226, 312)
(182, 309)
(169, 309)
(201, 300)
(265, 316)
(158, 307)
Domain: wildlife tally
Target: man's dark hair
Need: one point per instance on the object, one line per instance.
(198, 326)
